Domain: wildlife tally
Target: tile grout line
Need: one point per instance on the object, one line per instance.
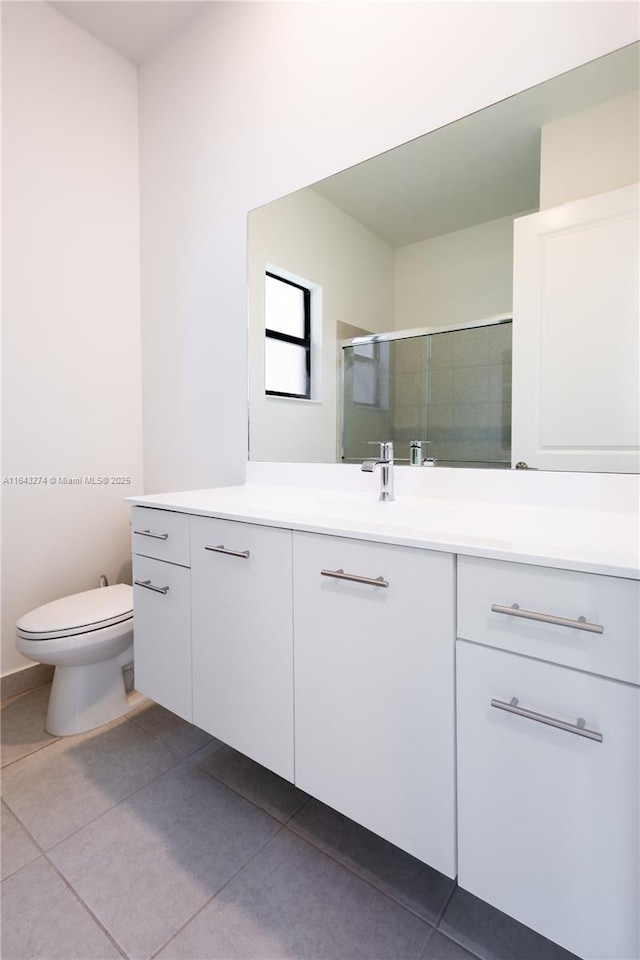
(447, 935)
(423, 953)
(87, 908)
(43, 855)
(180, 759)
(213, 896)
(282, 825)
(32, 753)
(359, 876)
(166, 743)
(464, 946)
(371, 883)
(112, 723)
(437, 930)
(254, 803)
(4, 804)
(98, 815)
(446, 904)
(117, 721)
(5, 701)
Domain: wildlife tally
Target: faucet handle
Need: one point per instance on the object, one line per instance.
(415, 452)
(386, 448)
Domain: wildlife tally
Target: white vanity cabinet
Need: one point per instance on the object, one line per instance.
(549, 755)
(243, 638)
(333, 661)
(162, 608)
(576, 335)
(374, 681)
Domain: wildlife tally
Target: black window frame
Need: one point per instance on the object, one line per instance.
(304, 341)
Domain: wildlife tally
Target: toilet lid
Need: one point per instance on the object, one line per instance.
(79, 613)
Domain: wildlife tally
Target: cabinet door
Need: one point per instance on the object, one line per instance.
(576, 333)
(162, 633)
(375, 689)
(548, 820)
(242, 638)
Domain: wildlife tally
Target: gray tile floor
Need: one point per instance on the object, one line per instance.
(148, 838)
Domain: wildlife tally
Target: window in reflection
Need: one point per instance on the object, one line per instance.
(287, 310)
(371, 374)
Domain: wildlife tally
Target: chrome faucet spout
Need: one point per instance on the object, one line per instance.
(385, 462)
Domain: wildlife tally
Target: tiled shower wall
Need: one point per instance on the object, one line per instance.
(451, 389)
(454, 390)
(468, 397)
(409, 368)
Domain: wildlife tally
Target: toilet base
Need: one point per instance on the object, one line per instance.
(84, 697)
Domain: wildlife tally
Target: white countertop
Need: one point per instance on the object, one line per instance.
(593, 541)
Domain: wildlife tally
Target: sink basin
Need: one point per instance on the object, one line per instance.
(420, 518)
(358, 510)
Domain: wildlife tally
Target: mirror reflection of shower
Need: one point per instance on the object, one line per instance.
(447, 387)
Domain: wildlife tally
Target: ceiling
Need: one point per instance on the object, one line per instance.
(427, 187)
(134, 28)
(430, 186)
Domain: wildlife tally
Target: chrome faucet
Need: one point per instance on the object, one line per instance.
(415, 452)
(415, 455)
(385, 462)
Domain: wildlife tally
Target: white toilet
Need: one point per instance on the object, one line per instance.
(88, 637)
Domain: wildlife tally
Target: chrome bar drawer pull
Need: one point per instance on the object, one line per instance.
(578, 728)
(156, 536)
(580, 624)
(341, 575)
(231, 553)
(150, 586)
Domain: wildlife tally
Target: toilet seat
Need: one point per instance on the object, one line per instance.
(88, 638)
(78, 614)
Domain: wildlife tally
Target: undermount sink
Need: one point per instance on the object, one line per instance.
(432, 520)
(361, 510)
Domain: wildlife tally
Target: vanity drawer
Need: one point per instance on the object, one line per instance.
(582, 620)
(548, 804)
(162, 534)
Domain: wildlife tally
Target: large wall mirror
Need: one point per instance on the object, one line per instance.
(387, 269)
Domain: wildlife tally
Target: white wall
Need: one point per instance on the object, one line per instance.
(255, 100)
(590, 152)
(71, 352)
(311, 238)
(457, 277)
